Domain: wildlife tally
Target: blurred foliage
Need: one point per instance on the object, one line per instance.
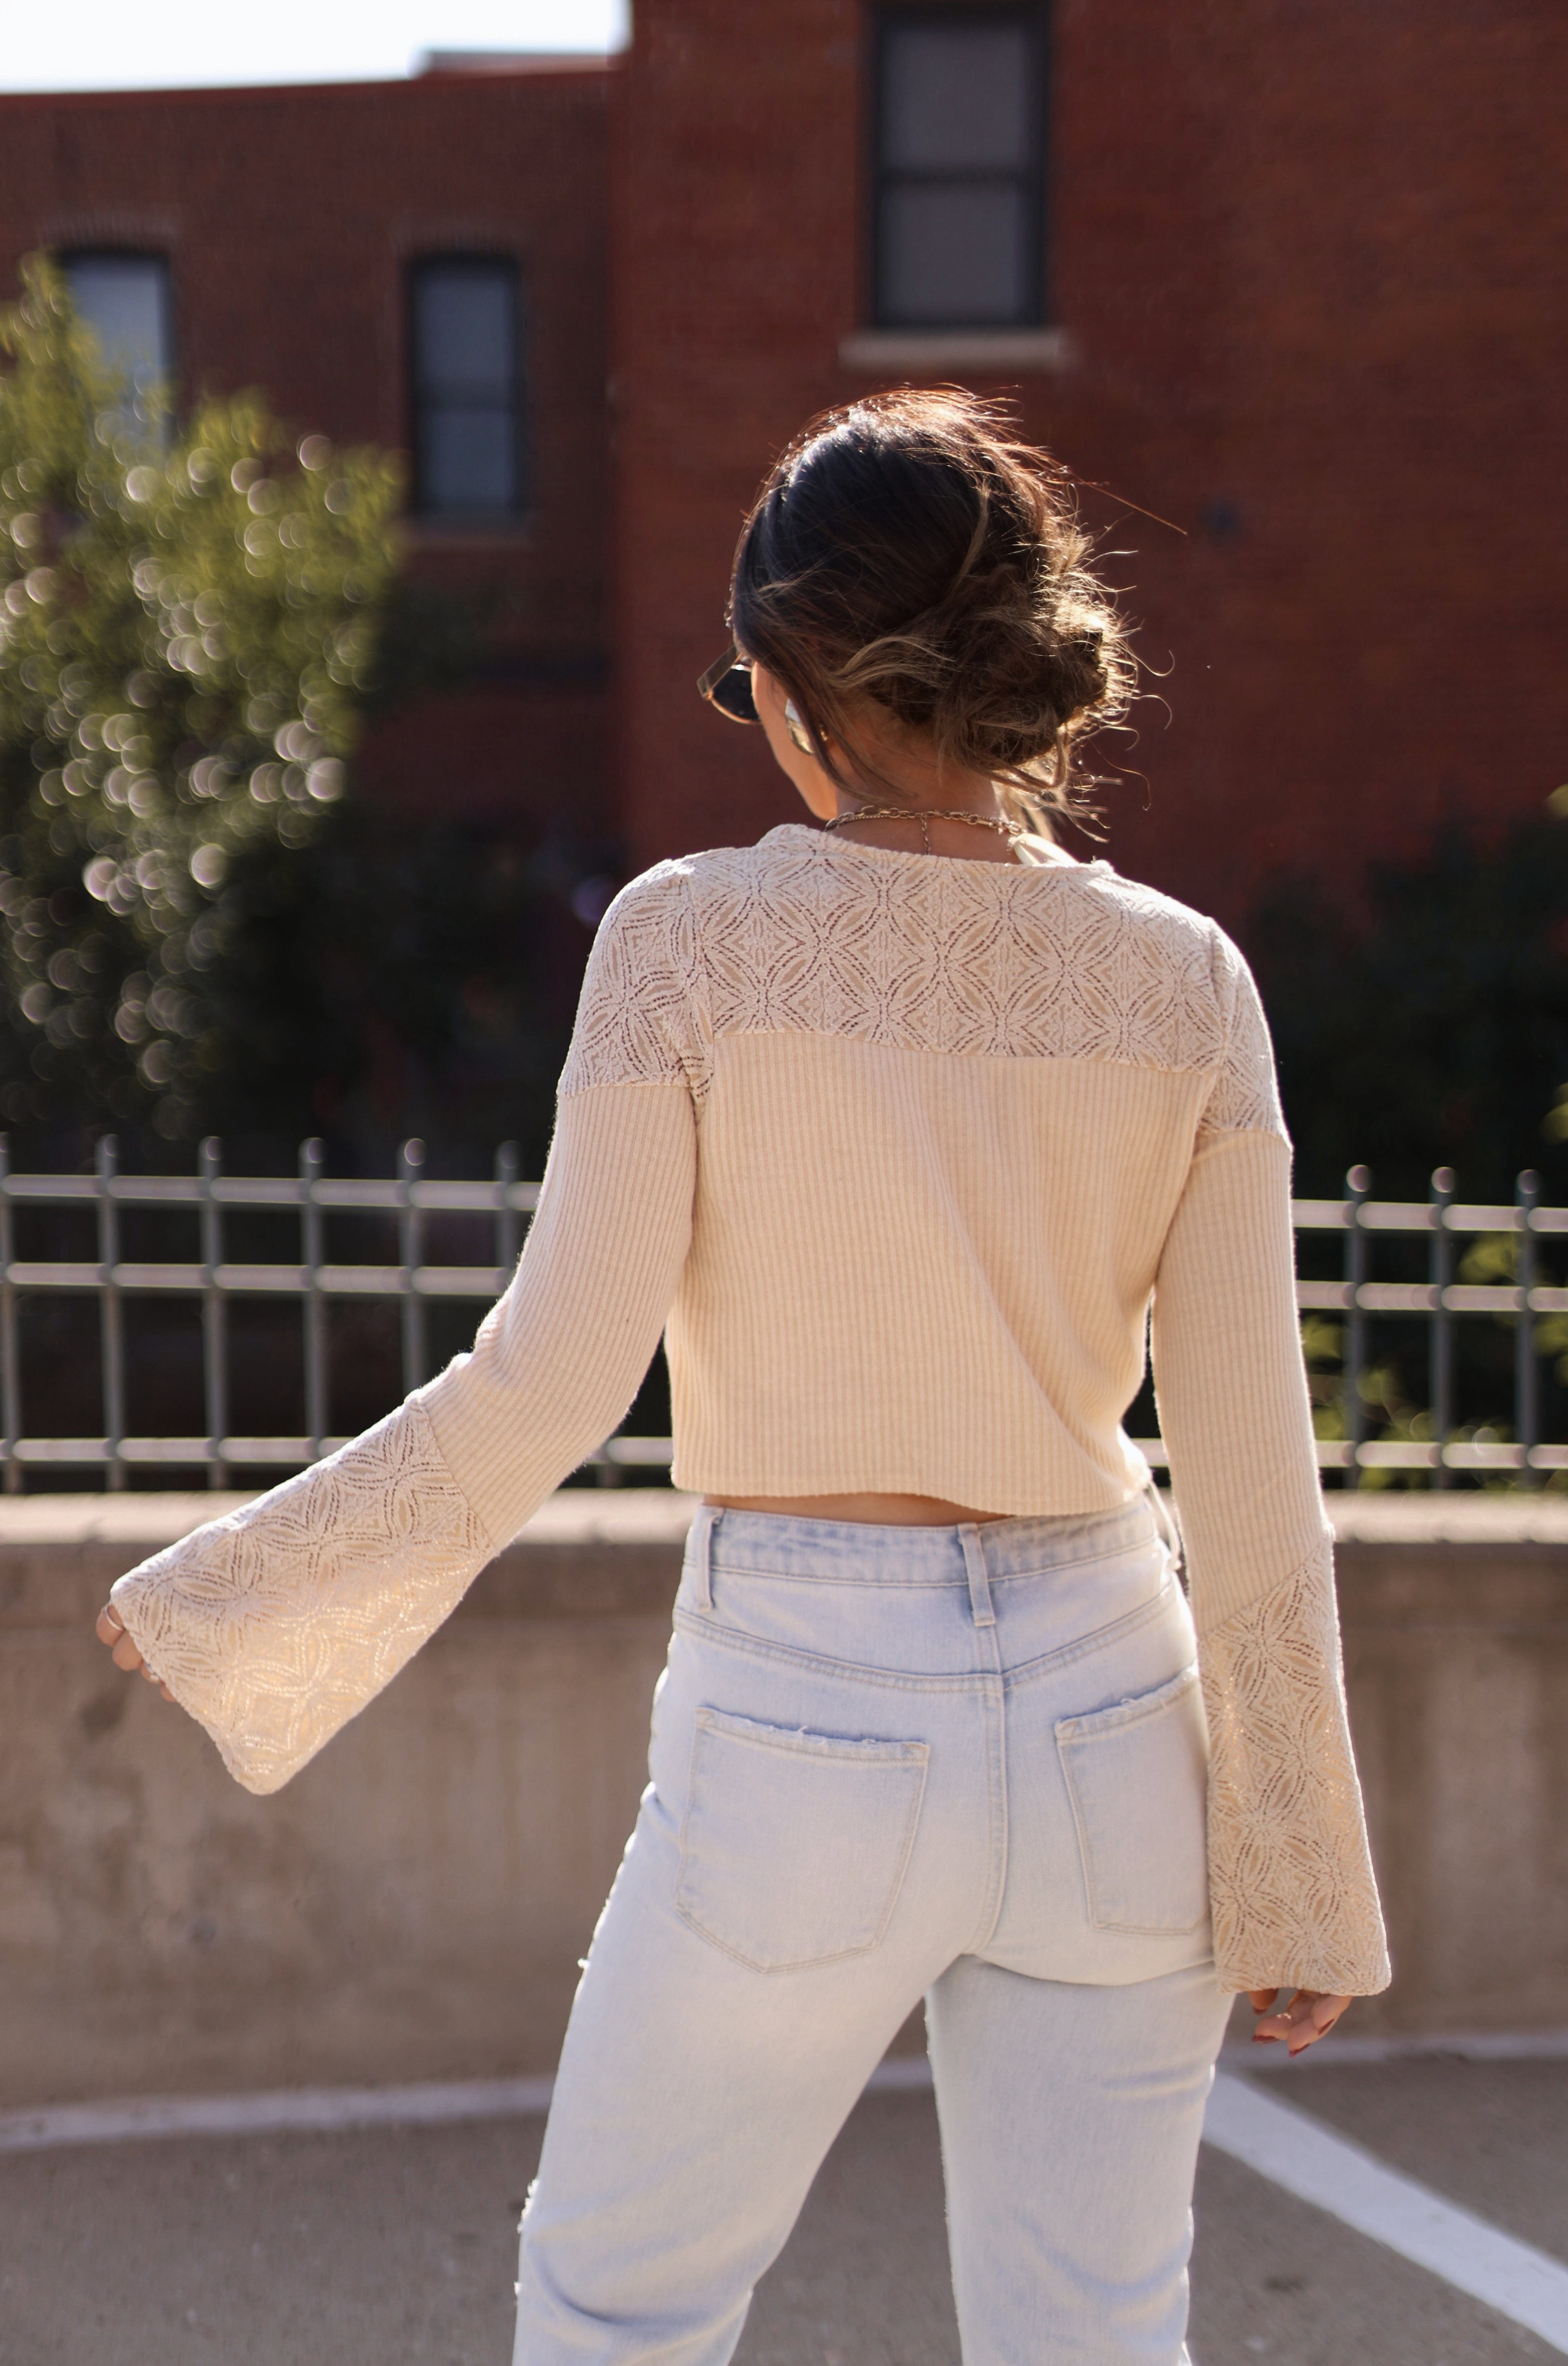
(383, 982)
(190, 627)
(1494, 1258)
(1392, 1413)
(1433, 1032)
(1436, 1032)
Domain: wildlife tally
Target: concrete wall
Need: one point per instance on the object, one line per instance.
(411, 1907)
(414, 1905)
(1455, 1616)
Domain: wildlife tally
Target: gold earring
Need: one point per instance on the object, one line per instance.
(796, 729)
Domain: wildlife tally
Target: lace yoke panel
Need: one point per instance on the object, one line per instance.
(796, 935)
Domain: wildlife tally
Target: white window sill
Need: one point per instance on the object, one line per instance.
(426, 533)
(1032, 352)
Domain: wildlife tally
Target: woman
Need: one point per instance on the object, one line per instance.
(895, 1128)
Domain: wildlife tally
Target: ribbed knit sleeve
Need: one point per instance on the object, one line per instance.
(1296, 1901)
(274, 1626)
(559, 1359)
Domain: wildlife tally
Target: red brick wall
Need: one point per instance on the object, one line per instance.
(1304, 255)
(1306, 252)
(288, 217)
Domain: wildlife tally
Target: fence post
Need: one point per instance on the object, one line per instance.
(214, 1315)
(506, 1226)
(111, 1329)
(10, 1363)
(312, 1157)
(410, 1242)
(1441, 1379)
(1357, 1185)
(1527, 1371)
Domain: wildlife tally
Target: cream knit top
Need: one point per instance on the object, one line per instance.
(896, 1150)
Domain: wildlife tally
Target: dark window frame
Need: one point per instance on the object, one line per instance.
(476, 260)
(1034, 16)
(65, 257)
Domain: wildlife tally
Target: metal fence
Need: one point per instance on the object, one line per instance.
(1446, 1219)
(211, 1197)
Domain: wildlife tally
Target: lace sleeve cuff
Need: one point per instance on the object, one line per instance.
(275, 1625)
(1296, 1901)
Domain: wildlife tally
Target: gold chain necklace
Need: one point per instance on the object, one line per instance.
(1012, 830)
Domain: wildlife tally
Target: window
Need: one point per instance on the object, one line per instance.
(125, 300)
(959, 168)
(468, 408)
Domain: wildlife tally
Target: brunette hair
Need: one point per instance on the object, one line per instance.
(910, 550)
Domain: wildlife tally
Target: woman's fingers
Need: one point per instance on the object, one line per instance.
(1326, 2012)
(111, 1630)
(1276, 2021)
(1308, 2016)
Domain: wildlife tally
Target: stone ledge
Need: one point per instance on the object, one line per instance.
(660, 1515)
(593, 1552)
(587, 1553)
(1406, 1516)
(147, 1522)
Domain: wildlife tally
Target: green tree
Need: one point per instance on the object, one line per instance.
(189, 628)
(1433, 1031)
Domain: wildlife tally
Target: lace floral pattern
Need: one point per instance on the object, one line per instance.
(798, 935)
(274, 1626)
(1296, 1901)
(639, 1017)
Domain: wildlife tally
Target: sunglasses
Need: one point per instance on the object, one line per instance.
(727, 685)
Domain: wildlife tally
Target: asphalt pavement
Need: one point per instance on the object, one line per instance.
(395, 2246)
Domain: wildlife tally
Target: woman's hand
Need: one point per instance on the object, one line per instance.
(1308, 2016)
(111, 1631)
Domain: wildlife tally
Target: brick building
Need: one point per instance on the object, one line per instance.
(1278, 275)
(353, 251)
(1297, 291)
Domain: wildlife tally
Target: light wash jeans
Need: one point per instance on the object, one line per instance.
(887, 1763)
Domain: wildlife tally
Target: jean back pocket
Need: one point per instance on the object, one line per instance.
(1137, 1775)
(794, 1844)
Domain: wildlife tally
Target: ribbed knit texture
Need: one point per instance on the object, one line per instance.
(899, 1149)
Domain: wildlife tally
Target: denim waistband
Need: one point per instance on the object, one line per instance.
(856, 1552)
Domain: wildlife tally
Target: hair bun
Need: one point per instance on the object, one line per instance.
(909, 551)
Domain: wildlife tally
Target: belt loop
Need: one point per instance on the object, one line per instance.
(1166, 1528)
(700, 1549)
(979, 1584)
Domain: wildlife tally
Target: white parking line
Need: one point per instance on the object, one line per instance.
(305, 2111)
(288, 2111)
(1306, 2160)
